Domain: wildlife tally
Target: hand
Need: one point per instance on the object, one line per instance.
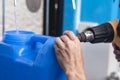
(69, 55)
(116, 51)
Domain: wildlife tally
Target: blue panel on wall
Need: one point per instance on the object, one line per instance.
(71, 7)
(118, 9)
(99, 11)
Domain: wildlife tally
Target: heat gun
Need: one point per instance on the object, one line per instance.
(106, 32)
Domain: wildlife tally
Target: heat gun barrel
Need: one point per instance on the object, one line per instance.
(98, 34)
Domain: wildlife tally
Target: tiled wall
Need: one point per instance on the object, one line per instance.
(26, 20)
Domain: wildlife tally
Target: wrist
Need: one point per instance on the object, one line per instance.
(76, 75)
(70, 75)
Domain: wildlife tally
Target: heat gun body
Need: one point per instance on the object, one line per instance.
(107, 32)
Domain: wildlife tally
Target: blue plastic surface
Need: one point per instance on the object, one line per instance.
(99, 11)
(71, 15)
(27, 56)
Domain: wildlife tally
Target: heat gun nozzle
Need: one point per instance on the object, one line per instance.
(82, 37)
(86, 36)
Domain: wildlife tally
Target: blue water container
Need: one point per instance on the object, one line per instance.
(27, 56)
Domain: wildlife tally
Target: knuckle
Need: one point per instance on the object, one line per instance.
(66, 32)
(68, 44)
(62, 47)
(62, 37)
(69, 32)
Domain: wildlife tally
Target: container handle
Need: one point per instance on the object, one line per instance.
(39, 38)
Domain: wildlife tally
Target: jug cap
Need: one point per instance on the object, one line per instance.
(13, 36)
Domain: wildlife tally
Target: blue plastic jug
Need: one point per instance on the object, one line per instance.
(27, 56)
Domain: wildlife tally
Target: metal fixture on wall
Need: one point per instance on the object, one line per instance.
(33, 5)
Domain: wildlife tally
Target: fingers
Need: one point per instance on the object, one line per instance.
(60, 52)
(61, 46)
(59, 43)
(70, 34)
(65, 38)
(56, 48)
